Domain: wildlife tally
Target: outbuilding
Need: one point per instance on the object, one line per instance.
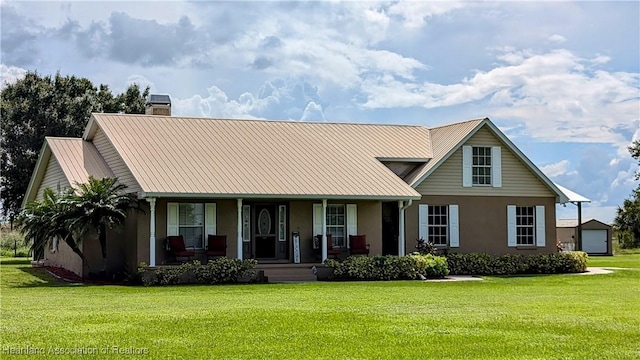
(596, 236)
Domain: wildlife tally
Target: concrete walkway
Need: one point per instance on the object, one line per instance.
(590, 271)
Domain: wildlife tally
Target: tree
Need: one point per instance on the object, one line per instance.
(99, 205)
(78, 215)
(628, 215)
(42, 221)
(39, 106)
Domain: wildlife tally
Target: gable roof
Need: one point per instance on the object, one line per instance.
(572, 223)
(446, 140)
(196, 157)
(78, 160)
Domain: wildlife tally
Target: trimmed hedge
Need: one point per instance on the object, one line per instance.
(512, 264)
(219, 271)
(389, 267)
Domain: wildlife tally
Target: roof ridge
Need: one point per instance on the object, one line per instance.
(457, 123)
(262, 120)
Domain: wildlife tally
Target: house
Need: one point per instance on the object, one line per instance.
(596, 236)
(464, 186)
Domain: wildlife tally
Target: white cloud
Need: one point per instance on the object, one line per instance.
(557, 38)
(10, 74)
(415, 14)
(555, 169)
(553, 94)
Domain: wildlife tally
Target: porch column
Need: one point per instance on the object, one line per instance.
(401, 241)
(239, 245)
(152, 232)
(324, 229)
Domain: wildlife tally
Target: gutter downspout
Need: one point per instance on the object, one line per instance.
(401, 228)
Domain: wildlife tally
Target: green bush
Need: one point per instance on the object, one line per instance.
(389, 267)
(627, 241)
(219, 271)
(511, 264)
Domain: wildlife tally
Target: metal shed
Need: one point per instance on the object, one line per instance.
(596, 236)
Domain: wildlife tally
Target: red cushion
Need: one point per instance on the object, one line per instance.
(188, 253)
(217, 243)
(176, 243)
(358, 242)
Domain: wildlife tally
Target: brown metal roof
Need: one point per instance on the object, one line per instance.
(78, 159)
(176, 156)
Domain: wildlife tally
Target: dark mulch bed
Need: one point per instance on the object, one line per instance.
(70, 276)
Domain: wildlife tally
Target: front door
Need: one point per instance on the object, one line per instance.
(269, 232)
(390, 228)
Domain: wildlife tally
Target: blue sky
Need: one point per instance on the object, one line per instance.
(561, 79)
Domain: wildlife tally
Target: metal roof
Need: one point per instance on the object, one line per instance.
(78, 159)
(178, 156)
(572, 196)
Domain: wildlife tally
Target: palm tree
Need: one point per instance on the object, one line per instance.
(100, 204)
(42, 221)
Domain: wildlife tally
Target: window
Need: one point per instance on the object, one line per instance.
(438, 224)
(481, 165)
(190, 224)
(525, 225)
(336, 224)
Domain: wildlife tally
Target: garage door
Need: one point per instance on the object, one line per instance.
(594, 241)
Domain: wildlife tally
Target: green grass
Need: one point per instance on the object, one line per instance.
(527, 317)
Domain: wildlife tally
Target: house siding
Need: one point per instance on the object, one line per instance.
(483, 223)
(53, 178)
(114, 161)
(64, 257)
(517, 179)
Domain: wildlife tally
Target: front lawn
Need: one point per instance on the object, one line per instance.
(525, 317)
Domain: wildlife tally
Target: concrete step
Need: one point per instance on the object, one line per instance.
(287, 272)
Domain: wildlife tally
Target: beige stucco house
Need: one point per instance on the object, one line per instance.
(464, 186)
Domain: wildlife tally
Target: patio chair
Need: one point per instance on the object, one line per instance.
(216, 246)
(358, 245)
(177, 249)
(331, 252)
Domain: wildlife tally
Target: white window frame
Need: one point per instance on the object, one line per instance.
(337, 241)
(516, 225)
(452, 224)
(495, 168)
(525, 226)
(201, 225)
(476, 160)
(433, 227)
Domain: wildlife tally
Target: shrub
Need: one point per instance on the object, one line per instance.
(219, 271)
(627, 241)
(12, 244)
(511, 264)
(389, 267)
(425, 247)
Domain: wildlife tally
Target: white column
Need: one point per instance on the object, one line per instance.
(324, 230)
(239, 245)
(152, 232)
(401, 240)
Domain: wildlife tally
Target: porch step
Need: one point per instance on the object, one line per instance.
(288, 272)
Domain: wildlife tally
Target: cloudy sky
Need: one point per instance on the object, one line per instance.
(561, 79)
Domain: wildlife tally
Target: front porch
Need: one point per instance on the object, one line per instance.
(277, 233)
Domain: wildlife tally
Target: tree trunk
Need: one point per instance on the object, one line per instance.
(102, 235)
(74, 247)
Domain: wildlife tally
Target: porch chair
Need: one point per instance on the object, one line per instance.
(331, 252)
(216, 246)
(177, 248)
(358, 245)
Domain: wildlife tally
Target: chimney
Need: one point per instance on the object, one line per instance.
(158, 105)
